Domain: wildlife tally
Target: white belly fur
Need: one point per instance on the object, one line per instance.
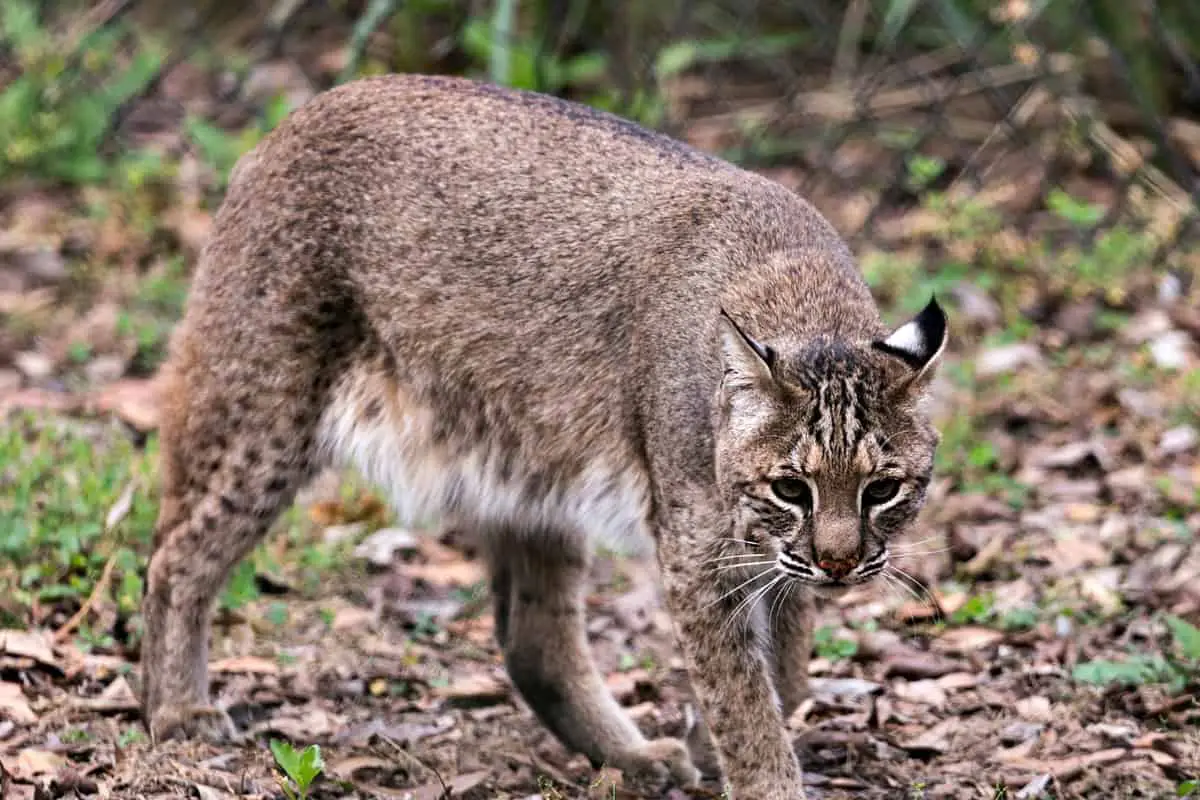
(394, 450)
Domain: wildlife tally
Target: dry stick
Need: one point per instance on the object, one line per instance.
(1026, 107)
(396, 746)
(840, 106)
(918, 66)
(1127, 159)
(63, 633)
(96, 17)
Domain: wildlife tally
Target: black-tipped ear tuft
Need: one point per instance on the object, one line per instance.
(920, 341)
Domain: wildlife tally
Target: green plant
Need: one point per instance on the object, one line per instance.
(56, 113)
(220, 149)
(301, 767)
(1178, 667)
(831, 647)
(73, 496)
(978, 610)
(1188, 788)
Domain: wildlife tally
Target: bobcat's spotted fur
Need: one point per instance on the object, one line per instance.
(553, 326)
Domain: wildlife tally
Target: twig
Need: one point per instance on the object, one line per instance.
(1026, 107)
(840, 106)
(414, 760)
(63, 633)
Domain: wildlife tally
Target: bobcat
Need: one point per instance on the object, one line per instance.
(552, 326)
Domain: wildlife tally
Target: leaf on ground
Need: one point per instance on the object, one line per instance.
(924, 692)
(935, 740)
(457, 573)
(473, 690)
(134, 400)
(30, 644)
(39, 400)
(14, 705)
(457, 786)
(381, 546)
(1035, 709)
(967, 639)
(245, 665)
(300, 726)
(32, 763)
(120, 509)
(915, 664)
(116, 697)
(1064, 769)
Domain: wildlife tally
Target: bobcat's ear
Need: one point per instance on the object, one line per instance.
(747, 363)
(919, 343)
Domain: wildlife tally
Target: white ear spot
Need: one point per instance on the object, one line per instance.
(909, 338)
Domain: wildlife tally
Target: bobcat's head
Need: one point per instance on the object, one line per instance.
(824, 452)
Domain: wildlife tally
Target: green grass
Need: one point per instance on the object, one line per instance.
(63, 480)
(59, 480)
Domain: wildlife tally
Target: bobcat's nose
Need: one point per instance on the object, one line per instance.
(837, 568)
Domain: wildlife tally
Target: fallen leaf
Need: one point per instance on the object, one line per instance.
(1035, 709)
(304, 725)
(458, 573)
(120, 509)
(32, 763)
(1067, 768)
(967, 639)
(935, 740)
(245, 665)
(918, 664)
(472, 691)
(14, 705)
(116, 697)
(346, 768)
(925, 692)
(134, 400)
(381, 546)
(40, 400)
(30, 644)
(830, 689)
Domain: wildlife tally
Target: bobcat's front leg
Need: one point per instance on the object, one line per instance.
(731, 677)
(791, 611)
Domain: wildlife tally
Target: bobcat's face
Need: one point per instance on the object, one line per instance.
(824, 455)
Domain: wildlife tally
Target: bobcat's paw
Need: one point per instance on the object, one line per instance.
(198, 722)
(659, 760)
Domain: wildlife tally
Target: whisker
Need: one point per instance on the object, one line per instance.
(895, 581)
(939, 612)
(893, 587)
(733, 556)
(752, 599)
(935, 537)
(739, 541)
(743, 566)
(738, 588)
(778, 604)
(906, 553)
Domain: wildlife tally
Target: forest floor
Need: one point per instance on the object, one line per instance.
(1059, 656)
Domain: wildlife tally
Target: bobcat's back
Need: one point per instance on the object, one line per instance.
(515, 283)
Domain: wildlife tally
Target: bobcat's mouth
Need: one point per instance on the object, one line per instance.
(808, 573)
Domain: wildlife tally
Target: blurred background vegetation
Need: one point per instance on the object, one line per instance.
(1035, 163)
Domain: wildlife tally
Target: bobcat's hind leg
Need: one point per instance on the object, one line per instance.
(540, 582)
(231, 460)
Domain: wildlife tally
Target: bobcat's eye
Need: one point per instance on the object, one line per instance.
(793, 491)
(880, 491)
